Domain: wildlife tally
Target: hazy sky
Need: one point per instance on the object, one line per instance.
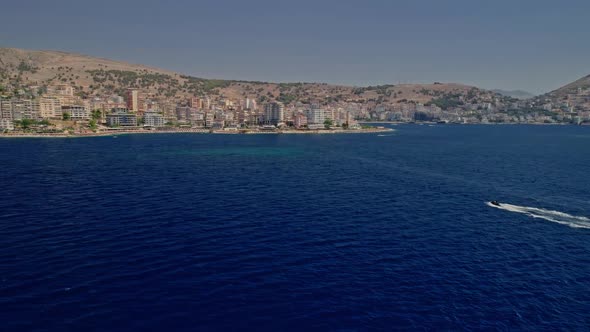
(532, 45)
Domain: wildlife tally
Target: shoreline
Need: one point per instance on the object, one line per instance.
(474, 124)
(196, 131)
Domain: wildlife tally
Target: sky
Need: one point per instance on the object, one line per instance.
(535, 46)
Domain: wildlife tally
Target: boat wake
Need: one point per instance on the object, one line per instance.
(550, 215)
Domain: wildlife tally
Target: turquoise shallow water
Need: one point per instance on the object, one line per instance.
(245, 151)
(298, 232)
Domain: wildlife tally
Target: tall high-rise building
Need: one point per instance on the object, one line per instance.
(274, 113)
(299, 120)
(18, 109)
(135, 102)
(317, 115)
(49, 107)
(209, 119)
(251, 104)
(196, 102)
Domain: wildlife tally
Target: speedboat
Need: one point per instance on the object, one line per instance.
(495, 203)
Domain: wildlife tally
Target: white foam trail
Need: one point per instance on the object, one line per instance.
(550, 215)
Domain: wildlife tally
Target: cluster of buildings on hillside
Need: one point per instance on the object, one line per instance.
(484, 112)
(138, 110)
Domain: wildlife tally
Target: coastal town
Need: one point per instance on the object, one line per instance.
(60, 109)
(39, 98)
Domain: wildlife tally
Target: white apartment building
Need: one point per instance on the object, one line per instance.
(76, 112)
(153, 119)
(49, 107)
(6, 124)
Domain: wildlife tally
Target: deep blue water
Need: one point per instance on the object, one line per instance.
(297, 232)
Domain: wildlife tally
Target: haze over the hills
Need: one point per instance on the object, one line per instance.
(519, 94)
(500, 44)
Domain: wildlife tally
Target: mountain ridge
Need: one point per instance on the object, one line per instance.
(96, 75)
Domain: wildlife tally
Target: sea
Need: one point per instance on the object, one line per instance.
(343, 232)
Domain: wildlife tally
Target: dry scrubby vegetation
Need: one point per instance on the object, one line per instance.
(92, 76)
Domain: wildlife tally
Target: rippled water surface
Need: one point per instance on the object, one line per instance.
(298, 232)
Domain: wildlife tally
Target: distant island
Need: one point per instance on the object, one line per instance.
(63, 94)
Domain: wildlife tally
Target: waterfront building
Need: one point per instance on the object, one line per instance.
(198, 119)
(76, 112)
(209, 119)
(5, 109)
(315, 126)
(153, 119)
(6, 124)
(121, 117)
(241, 116)
(300, 120)
(190, 115)
(350, 121)
(274, 113)
(317, 115)
(49, 107)
(218, 124)
(254, 118)
(183, 114)
(18, 109)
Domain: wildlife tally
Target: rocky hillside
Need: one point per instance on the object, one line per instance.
(575, 95)
(572, 88)
(22, 69)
